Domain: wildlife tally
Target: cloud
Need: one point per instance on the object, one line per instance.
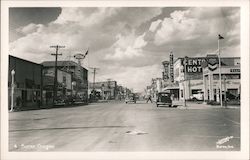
(81, 28)
(30, 28)
(194, 23)
(127, 47)
(179, 28)
(140, 42)
(85, 17)
(154, 25)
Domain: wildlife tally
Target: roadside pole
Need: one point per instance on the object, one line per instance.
(55, 72)
(225, 92)
(184, 87)
(219, 38)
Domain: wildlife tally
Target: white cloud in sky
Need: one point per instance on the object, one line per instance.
(194, 23)
(154, 25)
(30, 28)
(85, 17)
(127, 47)
(140, 42)
(179, 27)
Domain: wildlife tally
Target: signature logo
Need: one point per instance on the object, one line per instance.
(220, 142)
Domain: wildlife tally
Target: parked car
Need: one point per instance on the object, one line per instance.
(130, 98)
(164, 98)
(198, 96)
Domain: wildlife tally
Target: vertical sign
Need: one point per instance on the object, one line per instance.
(165, 74)
(171, 67)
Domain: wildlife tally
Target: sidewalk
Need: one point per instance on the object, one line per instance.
(201, 105)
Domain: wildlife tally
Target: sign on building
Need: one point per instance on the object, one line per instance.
(212, 62)
(194, 65)
(171, 67)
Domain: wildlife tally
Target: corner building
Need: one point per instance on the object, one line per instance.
(230, 80)
(198, 78)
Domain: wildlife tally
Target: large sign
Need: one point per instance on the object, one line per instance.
(171, 67)
(194, 65)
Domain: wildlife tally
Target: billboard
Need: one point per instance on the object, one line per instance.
(194, 65)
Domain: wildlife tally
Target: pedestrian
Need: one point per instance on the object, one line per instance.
(172, 97)
(18, 103)
(149, 99)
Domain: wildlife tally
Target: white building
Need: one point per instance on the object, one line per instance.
(230, 75)
(193, 81)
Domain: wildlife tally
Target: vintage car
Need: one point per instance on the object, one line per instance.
(130, 98)
(164, 98)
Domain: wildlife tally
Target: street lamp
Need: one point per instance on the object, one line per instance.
(12, 89)
(219, 38)
(72, 87)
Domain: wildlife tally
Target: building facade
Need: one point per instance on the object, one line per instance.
(230, 81)
(27, 83)
(64, 84)
(108, 89)
(79, 76)
(189, 74)
(192, 82)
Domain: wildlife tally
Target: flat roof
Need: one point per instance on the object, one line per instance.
(61, 63)
(10, 56)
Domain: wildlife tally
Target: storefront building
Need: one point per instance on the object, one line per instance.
(64, 84)
(191, 82)
(230, 81)
(196, 69)
(79, 76)
(27, 83)
(108, 89)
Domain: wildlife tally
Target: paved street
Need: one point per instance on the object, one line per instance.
(117, 126)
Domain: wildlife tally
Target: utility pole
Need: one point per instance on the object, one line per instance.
(55, 76)
(94, 72)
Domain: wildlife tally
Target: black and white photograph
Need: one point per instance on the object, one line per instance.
(125, 77)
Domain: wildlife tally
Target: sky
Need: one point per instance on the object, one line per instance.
(126, 44)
